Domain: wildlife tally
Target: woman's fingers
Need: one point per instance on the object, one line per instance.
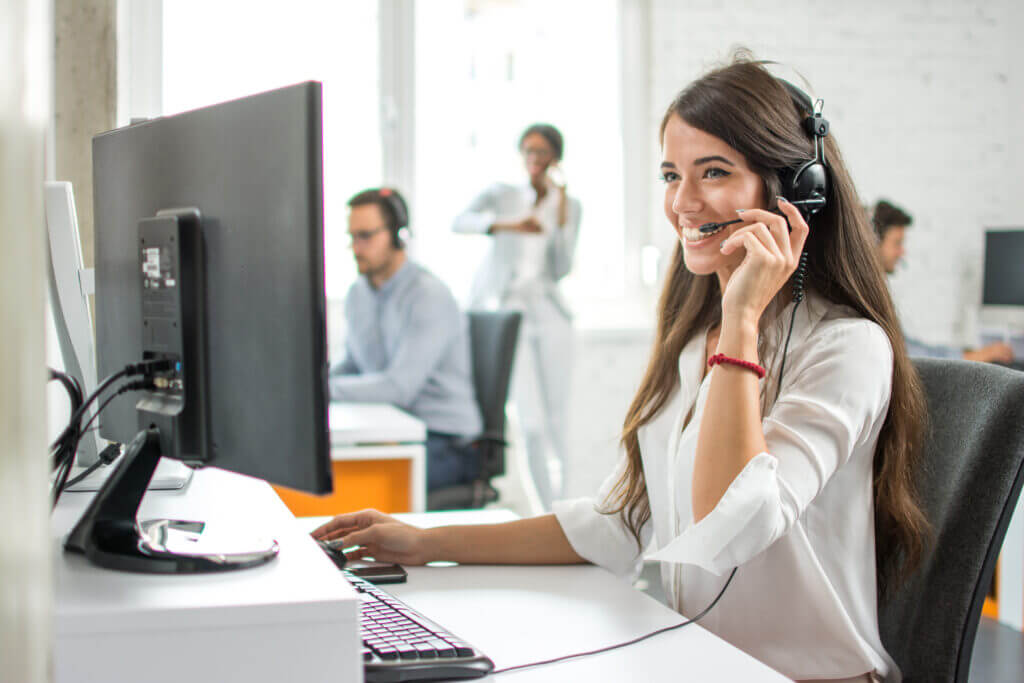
(345, 522)
(760, 232)
(365, 537)
(757, 243)
(777, 227)
(796, 221)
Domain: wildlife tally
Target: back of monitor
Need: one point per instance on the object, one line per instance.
(71, 284)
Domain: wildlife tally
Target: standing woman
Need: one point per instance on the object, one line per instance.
(534, 228)
(769, 448)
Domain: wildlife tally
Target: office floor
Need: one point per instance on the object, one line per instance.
(998, 650)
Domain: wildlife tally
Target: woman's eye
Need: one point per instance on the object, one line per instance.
(669, 177)
(715, 172)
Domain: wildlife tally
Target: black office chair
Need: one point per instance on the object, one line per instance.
(968, 483)
(492, 339)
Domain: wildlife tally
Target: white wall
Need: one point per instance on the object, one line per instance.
(25, 552)
(925, 99)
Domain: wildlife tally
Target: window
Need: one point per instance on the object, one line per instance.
(481, 71)
(484, 70)
(216, 51)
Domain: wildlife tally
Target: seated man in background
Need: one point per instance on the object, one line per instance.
(407, 342)
(891, 223)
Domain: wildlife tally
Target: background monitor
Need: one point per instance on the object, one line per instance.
(209, 249)
(1003, 283)
(71, 284)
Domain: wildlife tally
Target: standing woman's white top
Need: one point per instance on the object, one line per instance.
(797, 519)
(521, 265)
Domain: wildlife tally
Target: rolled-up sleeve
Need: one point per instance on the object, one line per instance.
(600, 538)
(481, 213)
(836, 400)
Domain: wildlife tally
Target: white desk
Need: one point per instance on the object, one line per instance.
(519, 614)
(378, 431)
(294, 619)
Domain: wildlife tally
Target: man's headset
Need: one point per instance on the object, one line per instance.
(399, 211)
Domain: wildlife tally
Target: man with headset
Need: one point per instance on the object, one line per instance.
(407, 343)
(891, 223)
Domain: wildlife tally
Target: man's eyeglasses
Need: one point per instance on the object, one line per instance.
(363, 236)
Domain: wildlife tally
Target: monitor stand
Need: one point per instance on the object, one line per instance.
(170, 475)
(109, 535)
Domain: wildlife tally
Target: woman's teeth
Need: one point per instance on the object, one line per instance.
(695, 235)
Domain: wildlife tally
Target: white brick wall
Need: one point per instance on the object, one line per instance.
(925, 100)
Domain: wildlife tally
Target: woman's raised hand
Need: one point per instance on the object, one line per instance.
(377, 535)
(556, 177)
(772, 254)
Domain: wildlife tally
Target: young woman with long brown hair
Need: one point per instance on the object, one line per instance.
(785, 485)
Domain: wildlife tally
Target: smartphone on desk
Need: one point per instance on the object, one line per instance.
(377, 572)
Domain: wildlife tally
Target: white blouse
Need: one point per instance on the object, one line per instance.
(521, 267)
(798, 520)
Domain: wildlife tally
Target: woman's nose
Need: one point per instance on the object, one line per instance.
(685, 199)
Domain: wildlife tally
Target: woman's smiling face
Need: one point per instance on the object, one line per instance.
(706, 181)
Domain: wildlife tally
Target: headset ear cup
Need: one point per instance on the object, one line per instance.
(398, 207)
(400, 213)
(809, 182)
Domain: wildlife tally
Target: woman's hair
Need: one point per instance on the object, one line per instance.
(745, 106)
(549, 133)
(887, 216)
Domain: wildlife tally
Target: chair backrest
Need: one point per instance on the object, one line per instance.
(968, 483)
(492, 338)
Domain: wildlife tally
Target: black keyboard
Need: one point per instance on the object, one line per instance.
(400, 644)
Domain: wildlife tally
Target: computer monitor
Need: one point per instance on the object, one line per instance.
(1003, 283)
(209, 261)
(70, 286)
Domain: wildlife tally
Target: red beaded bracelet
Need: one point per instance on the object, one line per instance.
(722, 358)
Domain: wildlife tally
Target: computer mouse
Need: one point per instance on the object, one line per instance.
(334, 550)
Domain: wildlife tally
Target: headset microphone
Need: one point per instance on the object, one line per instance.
(813, 204)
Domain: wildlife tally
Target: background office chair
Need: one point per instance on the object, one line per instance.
(492, 339)
(969, 481)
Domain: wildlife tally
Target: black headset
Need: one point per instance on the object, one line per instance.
(399, 214)
(806, 185)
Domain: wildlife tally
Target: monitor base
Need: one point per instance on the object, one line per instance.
(109, 535)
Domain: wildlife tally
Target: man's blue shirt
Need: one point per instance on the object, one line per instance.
(407, 344)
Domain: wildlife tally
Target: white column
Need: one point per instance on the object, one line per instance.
(139, 60)
(637, 158)
(26, 39)
(398, 98)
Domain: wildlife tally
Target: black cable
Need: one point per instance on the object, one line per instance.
(75, 430)
(71, 385)
(143, 368)
(798, 296)
(112, 451)
(107, 456)
(106, 402)
(628, 642)
(63, 449)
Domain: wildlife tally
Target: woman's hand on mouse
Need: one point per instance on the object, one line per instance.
(377, 535)
(772, 254)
